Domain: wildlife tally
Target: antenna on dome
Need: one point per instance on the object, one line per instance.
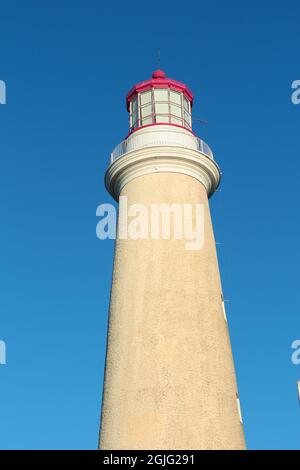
(158, 58)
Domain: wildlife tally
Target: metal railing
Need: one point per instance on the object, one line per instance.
(133, 143)
(204, 148)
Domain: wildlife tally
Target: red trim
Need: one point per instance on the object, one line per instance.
(159, 83)
(160, 124)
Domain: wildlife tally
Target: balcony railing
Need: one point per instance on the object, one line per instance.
(135, 142)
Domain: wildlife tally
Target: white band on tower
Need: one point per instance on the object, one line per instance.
(161, 149)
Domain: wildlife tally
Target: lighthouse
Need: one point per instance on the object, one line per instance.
(169, 375)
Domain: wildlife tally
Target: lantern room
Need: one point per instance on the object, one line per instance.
(160, 100)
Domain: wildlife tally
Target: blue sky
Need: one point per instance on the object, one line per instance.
(67, 66)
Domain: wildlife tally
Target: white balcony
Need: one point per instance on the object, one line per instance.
(161, 135)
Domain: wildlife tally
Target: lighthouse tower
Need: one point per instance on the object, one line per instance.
(169, 377)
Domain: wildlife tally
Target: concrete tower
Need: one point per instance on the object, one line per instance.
(169, 377)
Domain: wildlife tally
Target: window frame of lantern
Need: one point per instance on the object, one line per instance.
(143, 106)
(134, 124)
(183, 119)
(161, 114)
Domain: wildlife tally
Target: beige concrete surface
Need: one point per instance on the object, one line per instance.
(169, 380)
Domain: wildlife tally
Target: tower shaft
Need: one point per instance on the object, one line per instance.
(169, 379)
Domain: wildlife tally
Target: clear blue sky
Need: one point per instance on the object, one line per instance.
(67, 66)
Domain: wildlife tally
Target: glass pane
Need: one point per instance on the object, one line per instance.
(186, 104)
(187, 117)
(135, 120)
(147, 120)
(146, 110)
(175, 97)
(175, 120)
(161, 108)
(146, 97)
(162, 118)
(134, 103)
(176, 110)
(161, 94)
